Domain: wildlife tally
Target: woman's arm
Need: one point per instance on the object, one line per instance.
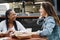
(48, 27)
(20, 26)
(2, 31)
(8, 33)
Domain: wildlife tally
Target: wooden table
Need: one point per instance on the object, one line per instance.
(32, 37)
(37, 37)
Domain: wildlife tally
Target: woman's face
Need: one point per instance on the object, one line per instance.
(42, 11)
(12, 15)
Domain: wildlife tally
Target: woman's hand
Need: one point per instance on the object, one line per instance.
(40, 16)
(35, 35)
(8, 33)
(10, 30)
(3, 34)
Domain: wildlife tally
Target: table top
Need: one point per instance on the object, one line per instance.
(31, 37)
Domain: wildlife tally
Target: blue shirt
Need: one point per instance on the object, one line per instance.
(50, 29)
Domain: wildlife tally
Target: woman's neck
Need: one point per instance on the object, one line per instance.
(46, 15)
(10, 21)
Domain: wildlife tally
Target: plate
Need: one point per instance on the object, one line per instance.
(21, 35)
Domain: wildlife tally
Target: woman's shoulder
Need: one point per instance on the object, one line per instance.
(2, 22)
(49, 18)
(18, 22)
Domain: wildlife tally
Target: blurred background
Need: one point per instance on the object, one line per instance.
(27, 11)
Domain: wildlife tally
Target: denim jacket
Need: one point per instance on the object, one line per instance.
(50, 29)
